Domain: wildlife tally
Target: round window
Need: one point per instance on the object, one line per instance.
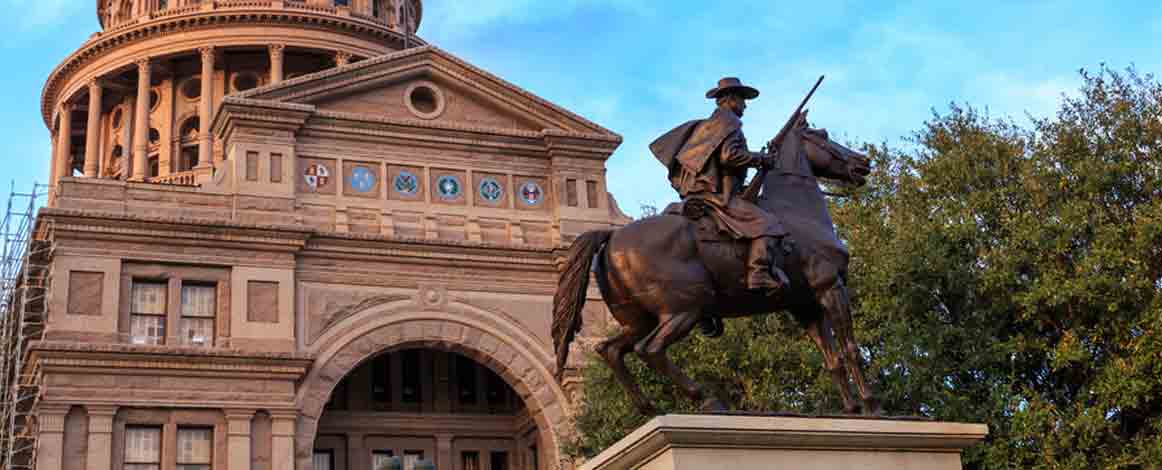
(192, 88)
(245, 81)
(531, 193)
(448, 187)
(406, 183)
(154, 136)
(490, 189)
(424, 100)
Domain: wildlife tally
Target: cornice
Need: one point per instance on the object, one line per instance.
(62, 355)
(161, 227)
(188, 19)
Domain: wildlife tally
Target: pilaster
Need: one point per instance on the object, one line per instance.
(100, 436)
(50, 446)
(238, 438)
(282, 435)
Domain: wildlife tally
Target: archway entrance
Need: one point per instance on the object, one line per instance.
(425, 403)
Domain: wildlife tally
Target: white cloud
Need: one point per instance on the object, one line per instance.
(25, 16)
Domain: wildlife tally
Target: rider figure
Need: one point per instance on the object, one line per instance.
(708, 160)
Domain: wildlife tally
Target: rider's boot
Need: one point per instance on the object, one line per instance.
(762, 274)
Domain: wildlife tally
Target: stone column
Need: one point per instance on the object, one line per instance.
(206, 107)
(238, 439)
(276, 62)
(444, 452)
(141, 123)
(64, 158)
(127, 120)
(282, 439)
(93, 132)
(51, 445)
(100, 436)
(342, 58)
(357, 457)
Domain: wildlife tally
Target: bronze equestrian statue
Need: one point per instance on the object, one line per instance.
(721, 252)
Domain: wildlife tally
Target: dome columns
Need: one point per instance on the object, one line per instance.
(141, 122)
(276, 53)
(205, 107)
(64, 143)
(92, 165)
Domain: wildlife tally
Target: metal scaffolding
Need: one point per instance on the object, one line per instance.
(25, 273)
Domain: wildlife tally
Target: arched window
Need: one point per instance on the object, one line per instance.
(188, 143)
(342, 3)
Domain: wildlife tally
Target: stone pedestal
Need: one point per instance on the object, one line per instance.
(687, 442)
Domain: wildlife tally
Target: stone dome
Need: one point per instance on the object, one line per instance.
(137, 85)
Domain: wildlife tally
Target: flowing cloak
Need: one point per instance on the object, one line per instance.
(707, 160)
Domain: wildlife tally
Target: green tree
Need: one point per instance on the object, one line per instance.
(1003, 274)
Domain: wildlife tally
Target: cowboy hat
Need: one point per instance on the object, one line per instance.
(732, 84)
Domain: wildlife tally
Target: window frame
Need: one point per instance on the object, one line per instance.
(183, 317)
(157, 464)
(209, 464)
(164, 330)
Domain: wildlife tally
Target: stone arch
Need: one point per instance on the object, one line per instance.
(513, 354)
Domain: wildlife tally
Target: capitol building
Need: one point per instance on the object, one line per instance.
(291, 234)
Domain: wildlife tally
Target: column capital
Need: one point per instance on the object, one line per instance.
(207, 52)
(277, 48)
(67, 107)
(342, 58)
(143, 63)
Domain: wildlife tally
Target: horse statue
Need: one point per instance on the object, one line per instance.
(661, 276)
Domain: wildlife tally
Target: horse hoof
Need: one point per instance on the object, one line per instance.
(713, 405)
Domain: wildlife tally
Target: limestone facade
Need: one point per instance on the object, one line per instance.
(284, 239)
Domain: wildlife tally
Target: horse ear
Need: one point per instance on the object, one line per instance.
(803, 118)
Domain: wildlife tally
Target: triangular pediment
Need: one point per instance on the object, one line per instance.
(427, 84)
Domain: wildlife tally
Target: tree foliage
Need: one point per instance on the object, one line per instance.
(1003, 274)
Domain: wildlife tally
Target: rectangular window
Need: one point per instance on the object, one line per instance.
(498, 460)
(142, 448)
(466, 380)
(275, 168)
(591, 193)
(380, 458)
(411, 376)
(411, 458)
(147, 312)
(571, 192)
(194, 448)
(252, 166)
(323, 460)
(470, 460)
(199, 307)
(381, 379)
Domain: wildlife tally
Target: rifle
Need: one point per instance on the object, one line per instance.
(751, 193)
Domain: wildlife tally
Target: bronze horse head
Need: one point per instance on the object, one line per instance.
(660, 277)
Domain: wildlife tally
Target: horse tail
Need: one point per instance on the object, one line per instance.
(571, 291)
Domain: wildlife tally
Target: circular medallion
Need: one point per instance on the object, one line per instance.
(490, 189)
(406, 183)
(448, 187)
(531, 193)
(362, 179)
(316, 176)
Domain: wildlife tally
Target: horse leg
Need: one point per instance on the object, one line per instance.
(838, 305)
(819, 329)
(613, 351)
(652, 350)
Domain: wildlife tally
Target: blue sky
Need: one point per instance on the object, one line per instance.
(639, 67)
